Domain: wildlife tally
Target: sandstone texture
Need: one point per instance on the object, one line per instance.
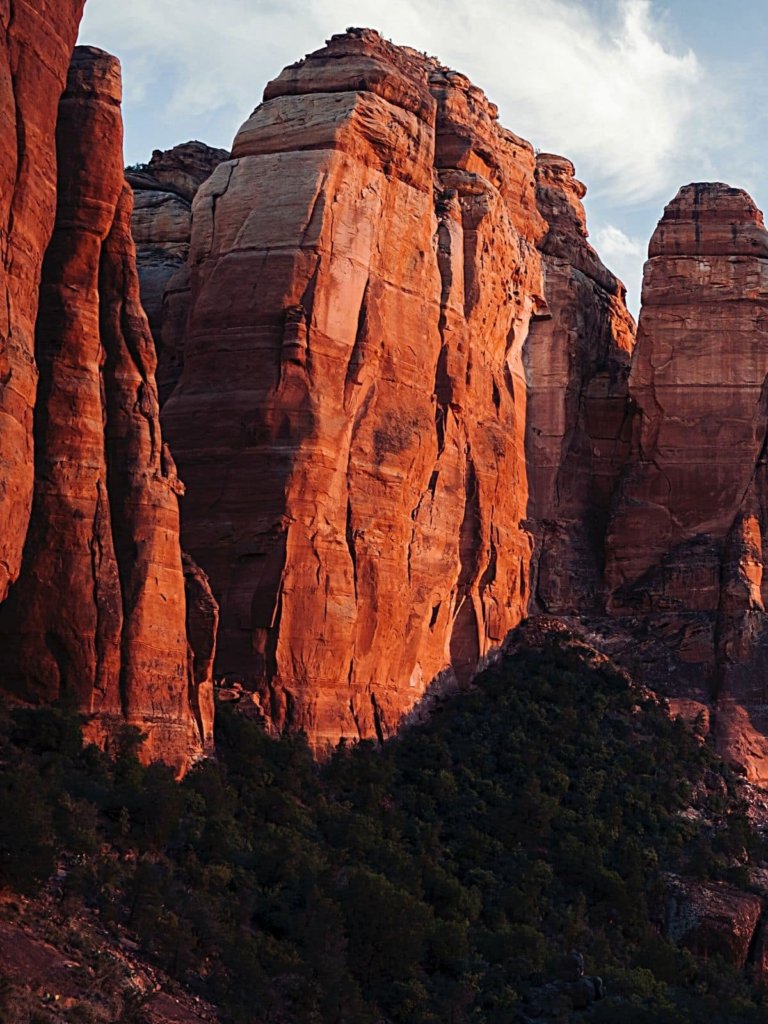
(36, 40)
(99, 612)
(162, 226)
(350, 417)
(684, 550)
(578, 425)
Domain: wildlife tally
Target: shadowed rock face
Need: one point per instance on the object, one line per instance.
(351, 413)
(685, 549)
(161, 226)
(578, 425)
(36, 40)
(99, 612)
(714, 918)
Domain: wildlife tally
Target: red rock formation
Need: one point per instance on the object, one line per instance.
(99, 611)
(36, 40)
(578, 428)
(179, 171)
(351, 412)
(162, 226)
(685, 547)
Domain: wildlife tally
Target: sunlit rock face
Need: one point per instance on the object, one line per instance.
(685, 548)
(350, 418)
(99, 612)
(36, 41)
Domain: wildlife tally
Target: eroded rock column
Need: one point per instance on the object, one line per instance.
(685, 549)
(99, 611)
(36, 41)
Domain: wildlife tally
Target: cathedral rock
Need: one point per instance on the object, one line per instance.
(402, 390)
(412, 411)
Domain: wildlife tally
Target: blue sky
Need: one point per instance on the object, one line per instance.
(643, 95)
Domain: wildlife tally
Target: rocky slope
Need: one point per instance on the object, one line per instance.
(36, 40)
(161, 226)
(60, 967)
(99, 612)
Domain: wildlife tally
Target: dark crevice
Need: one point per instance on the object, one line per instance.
(21, 133)
(377, 724)
(509, 382)
(751, 963)
(465, 641)
(350, 537)
(356, 359)
(273, 635)
(217, 195)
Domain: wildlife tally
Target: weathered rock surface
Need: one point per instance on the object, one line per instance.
(350, 418)
(712, 918)
(684, 554)
(578, 427)
(99, 611)
(36, 40)
(162, 227)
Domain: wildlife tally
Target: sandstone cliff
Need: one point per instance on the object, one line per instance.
(161, 227)
(350, 418)
(684, 554)
(99, 611)
(404, 417)
(36, 40)
(578, 424)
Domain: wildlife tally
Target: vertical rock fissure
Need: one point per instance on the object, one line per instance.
(350, 537)
(465, 640)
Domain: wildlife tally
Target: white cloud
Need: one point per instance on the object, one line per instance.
(625, 256)
(597, 84)
(612, 242)
(595, 80)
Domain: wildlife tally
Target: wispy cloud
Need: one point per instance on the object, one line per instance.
(597, 80)
(624, 255)
(614, 242)
(598, 84)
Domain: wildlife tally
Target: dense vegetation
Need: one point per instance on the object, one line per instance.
(441, 879)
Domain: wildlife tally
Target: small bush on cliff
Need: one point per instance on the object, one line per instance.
(439, 879)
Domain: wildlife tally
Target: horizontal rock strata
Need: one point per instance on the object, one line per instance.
(685, 548)
(162, 226)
